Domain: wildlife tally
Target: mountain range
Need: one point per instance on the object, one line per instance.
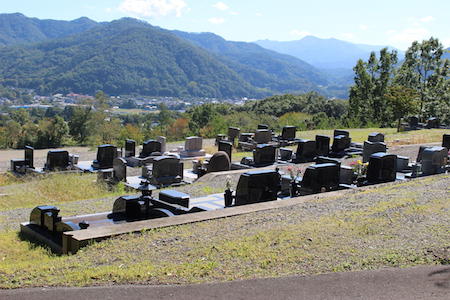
(129, 56)
(324, 53)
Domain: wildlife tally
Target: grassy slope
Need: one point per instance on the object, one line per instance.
(402, 224)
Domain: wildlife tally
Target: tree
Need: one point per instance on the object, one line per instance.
(372, 79)
(425, 71)
(164, 117)
(402, 102)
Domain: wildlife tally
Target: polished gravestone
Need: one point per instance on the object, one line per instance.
(130, 148)
(306, 151)
(150, 148)
(322, 145)
(233, 133)
(262, 136)
(226, 147)
(320, 178)
(263, 126)
(446, 141)
(433, 123)
(257, 186)
(105, 156)
(57, 160)
(166, 170)
(376, 137)
(382, 168)
(218, 162)
(370, 148)
(285, 154)
(434, 160)
(288, 133)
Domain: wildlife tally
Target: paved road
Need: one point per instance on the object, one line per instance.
(430, 282)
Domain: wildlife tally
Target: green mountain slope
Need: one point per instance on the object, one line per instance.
(121, 57)
(19, 29)
(261, 67)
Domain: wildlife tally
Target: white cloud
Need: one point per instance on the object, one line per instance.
(258, 14)
(299, 33)
(234, 13)
(221, 6)
(426, 19)
(153, 8)
(408, 35)
(109, 10)
(216, 20)
(363, 27)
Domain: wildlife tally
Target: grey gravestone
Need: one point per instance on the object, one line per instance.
(105, 156)
(258, 186)
(130, 148)
(264, 155)
(219, 162)
(149, 147)
(263, 126)
(402, 163)
(376, 137)
(338, 132)
(446, 141)
(434, 160)
(162, 140)
(306, 151)
(288, 133)
(57, 160)
(322, 145)
(120, 169)
(382, 168)
(370, 148)
(285, 154)
(233, 133)
(167, 170)
(226, 147)
(263, 136)
(193, 147)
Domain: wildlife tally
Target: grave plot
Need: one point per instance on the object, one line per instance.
(105, 157)
(57, 161)
(150, 150)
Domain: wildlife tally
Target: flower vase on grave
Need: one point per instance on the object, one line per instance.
(293, 188)
(228, 198)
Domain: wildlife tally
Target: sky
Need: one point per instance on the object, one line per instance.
(382, 22)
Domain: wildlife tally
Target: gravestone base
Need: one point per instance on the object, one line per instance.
(192, 153)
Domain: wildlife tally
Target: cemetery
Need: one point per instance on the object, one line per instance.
(57, 161)
(266, 181)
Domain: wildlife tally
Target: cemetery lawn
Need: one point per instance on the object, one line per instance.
(393, 225)
(30, 191)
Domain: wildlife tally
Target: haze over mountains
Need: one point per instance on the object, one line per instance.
(324, 53)
(129, 56)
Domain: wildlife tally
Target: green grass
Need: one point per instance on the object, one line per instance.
(53, 189)
(391, 136)
(376, 233)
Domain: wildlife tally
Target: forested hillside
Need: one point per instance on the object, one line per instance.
(19, 29)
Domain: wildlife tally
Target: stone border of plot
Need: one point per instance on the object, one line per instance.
(74, 240)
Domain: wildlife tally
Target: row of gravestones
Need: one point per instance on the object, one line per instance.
(57, 160)
(414, 123)
(253, 187)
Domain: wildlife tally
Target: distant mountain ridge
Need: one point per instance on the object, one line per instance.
(132, 56)
(324, 53)
(19, 29)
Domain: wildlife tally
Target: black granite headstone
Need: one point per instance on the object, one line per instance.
(382, 168)
(130, 148)
(264, 154)
(258, 186)
(226, 147)
(57, 160)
